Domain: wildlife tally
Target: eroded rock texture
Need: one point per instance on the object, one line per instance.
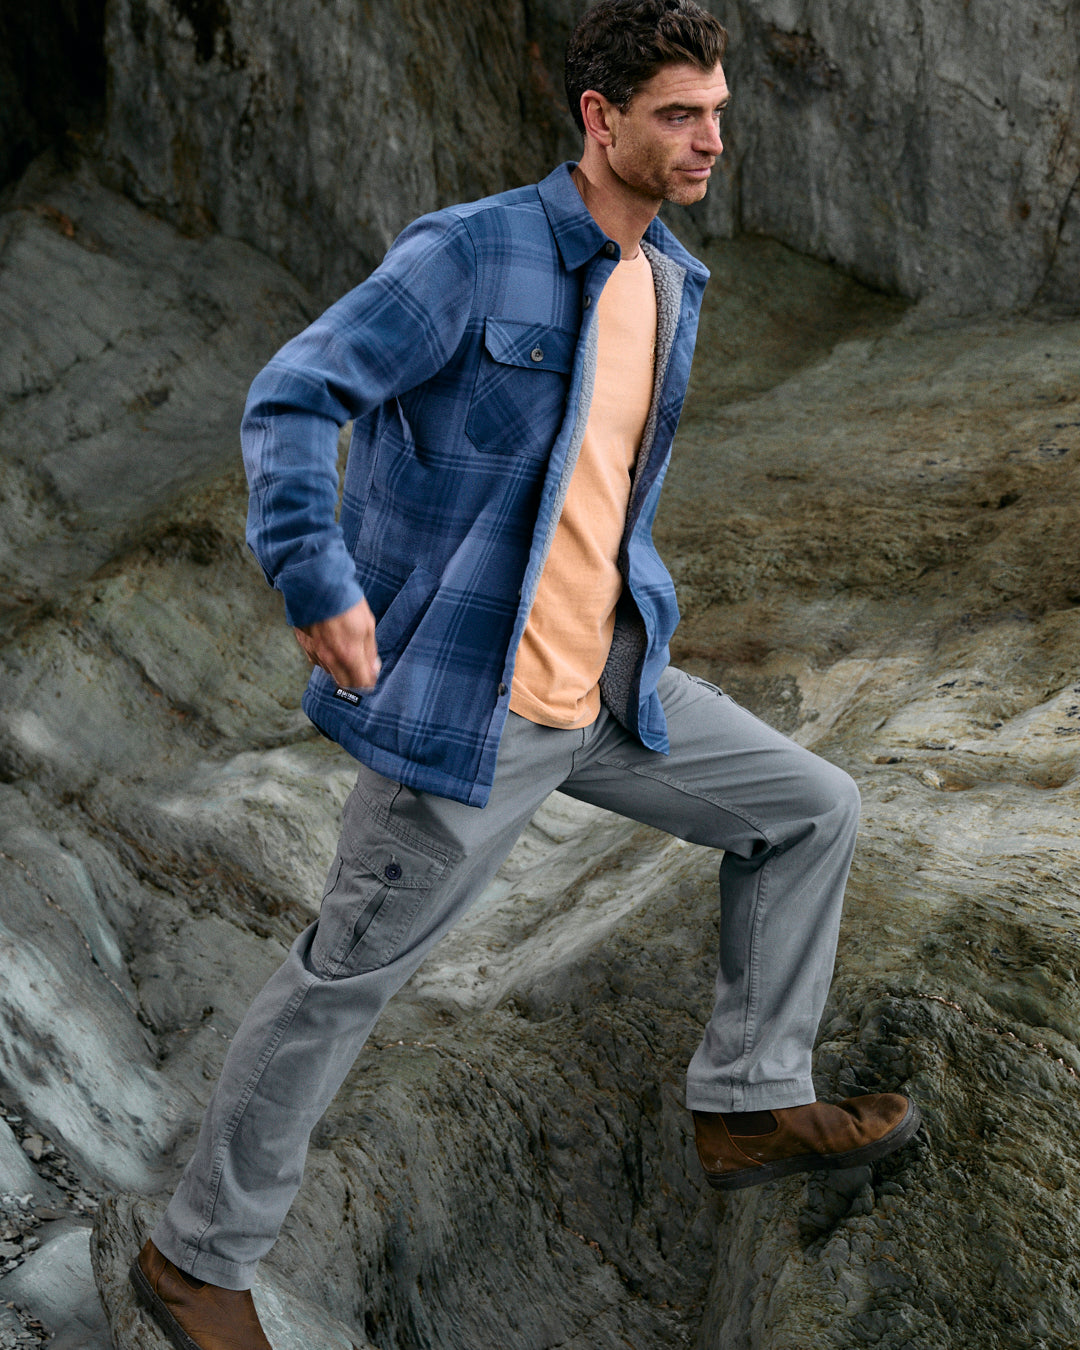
(872, 526)
(928, 147)
(317, 132)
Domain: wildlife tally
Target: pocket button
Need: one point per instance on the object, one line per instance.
(392, 871)
(537, 353)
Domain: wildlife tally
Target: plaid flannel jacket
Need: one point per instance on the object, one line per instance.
(465, 362)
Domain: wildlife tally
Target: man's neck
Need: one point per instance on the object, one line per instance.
(623, 215)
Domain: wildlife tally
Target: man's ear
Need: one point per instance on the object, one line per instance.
(596, 113)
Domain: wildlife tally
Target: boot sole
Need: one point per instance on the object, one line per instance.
(814, 1162)
(159, 1312)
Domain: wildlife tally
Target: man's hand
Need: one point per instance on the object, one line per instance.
(344, 647)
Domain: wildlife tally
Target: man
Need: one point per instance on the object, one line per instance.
(489, 622)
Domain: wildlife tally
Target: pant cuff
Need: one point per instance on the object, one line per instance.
(720, 1096)
(202, 1265)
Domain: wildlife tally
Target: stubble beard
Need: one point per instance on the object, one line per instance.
(686, 194)
(658, 182)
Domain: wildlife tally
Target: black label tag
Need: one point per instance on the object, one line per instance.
(349, 695)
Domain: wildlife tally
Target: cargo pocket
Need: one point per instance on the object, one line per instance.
(519, 398)
(373, 893)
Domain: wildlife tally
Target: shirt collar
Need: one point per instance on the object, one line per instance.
(580, 238)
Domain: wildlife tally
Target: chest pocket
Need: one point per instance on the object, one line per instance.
(519, 397)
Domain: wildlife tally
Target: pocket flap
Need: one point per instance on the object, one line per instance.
(533, 346)
(399, 865)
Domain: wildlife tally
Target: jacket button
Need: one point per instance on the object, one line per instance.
(502, 690)
(537, 354)
(609, 249)
(587, 301)
(392, 871)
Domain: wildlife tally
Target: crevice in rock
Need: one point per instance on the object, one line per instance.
(52, 78)
(1045, 290)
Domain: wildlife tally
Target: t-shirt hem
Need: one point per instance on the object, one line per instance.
(534, 711)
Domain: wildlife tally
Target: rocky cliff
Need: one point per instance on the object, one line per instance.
(871, 519)
(317, 132)
(928, 147)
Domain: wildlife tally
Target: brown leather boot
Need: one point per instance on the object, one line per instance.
(804, 1138)
(194, 1315)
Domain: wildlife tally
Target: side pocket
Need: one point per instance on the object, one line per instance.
(696, 679)
(376, 885)
(402, 616)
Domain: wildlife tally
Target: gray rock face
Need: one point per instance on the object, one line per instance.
(58, 1280)
(52, 77)
(896, 578)
(318, 132)
(124, 366)
(17, 1177)
(929, 149)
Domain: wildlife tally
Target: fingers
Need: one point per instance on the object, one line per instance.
(355, 672)
(352, 665)
(344, 646)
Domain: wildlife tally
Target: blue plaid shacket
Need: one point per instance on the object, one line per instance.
(465, 361)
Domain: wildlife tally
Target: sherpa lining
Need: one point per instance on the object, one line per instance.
(620, 680)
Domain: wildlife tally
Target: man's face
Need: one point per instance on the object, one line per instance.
(665, 144)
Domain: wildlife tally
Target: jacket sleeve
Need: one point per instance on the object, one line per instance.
(394, 331)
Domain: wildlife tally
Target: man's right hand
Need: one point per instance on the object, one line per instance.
(344, 647)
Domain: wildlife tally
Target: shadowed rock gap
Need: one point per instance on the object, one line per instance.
(52, 78)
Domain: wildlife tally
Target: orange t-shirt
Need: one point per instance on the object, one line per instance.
(568, 635)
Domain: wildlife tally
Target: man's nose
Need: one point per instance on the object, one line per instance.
(709, 142)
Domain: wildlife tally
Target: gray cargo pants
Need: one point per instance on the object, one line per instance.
(408, 866)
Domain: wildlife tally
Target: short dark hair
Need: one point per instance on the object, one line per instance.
(620, 44)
